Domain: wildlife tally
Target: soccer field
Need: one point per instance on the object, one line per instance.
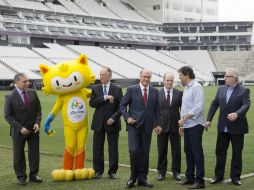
(54, 147)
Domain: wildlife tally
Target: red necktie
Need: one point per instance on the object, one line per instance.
(145, 96)
(26, 102)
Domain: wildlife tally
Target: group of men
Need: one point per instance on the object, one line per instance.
(170, 113)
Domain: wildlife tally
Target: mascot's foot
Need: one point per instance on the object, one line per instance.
(68, 175)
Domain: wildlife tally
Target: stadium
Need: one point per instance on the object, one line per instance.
(127, 36)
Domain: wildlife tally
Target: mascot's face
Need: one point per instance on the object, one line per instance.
(67, 77)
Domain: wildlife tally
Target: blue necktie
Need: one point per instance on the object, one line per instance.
(105, 90)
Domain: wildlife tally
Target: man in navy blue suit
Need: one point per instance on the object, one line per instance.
(234, 102)
(142, 117)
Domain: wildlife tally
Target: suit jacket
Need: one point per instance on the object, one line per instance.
(170, 114)
(145, 116)
(104, 109)
(16, 113)
(238, 102)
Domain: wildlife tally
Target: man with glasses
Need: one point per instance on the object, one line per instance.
(22, 110)
(234, 102)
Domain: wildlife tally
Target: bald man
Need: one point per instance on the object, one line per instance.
(142, 117)
(170, 104)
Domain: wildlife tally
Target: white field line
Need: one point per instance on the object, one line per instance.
(150, 169)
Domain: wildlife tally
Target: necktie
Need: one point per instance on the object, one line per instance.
(105, 90)
(145, 96)
(168, 97)
(25, 97)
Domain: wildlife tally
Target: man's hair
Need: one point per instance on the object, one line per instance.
(146, 70)
(108, 70)
(168, 73)
(186, 70)
(18, 76)
(234, 71)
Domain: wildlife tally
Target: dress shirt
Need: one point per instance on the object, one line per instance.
(193, 104)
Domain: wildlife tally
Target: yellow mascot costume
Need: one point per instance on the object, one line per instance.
(68, 81)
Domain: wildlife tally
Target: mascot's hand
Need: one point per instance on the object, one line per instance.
(88, 93)
(48, 130)
(45, 91)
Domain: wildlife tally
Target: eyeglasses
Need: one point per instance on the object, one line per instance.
(25, 81)
(229, 76)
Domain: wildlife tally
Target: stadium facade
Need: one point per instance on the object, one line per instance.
(120, 34)
(165, 11)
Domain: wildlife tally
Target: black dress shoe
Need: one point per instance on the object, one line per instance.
(236, 182)
(97, 176)
(177, 176)
(145, 184)
(187, 182)
(216, 180)
(130, 183)
(161, 177)
(112, 176)
(22, 182)
(197, 186)
(35, 179)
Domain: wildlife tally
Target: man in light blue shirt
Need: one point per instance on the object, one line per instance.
(192, 127)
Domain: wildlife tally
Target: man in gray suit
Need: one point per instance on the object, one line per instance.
(170, 104)
(141, 118)
(22, 110)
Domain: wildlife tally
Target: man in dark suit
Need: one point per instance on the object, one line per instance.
(141, 118)
(105, 99)
(234, 102)
(22, 110)
(170, 104)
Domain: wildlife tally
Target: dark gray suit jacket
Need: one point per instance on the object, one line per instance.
(238, 102)
(170, 114)
(104, 109)
(146, 116)
(17, 115)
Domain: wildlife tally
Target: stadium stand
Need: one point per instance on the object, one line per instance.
(241, 60)
(117, 34)
(96, 9)
(21, 59)
(143, 61)
(175, 64)
(27, 5)
(104, 57)
(6, 71)
(57, 8)
(2, 2)
(125, 63)
(73, 8)
(57, 54)
(200, 60)
(123, 11)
